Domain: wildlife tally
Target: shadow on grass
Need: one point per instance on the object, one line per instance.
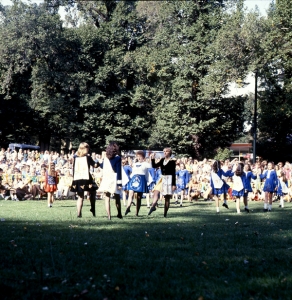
(50, 254)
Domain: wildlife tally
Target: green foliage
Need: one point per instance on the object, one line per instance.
(223, 154)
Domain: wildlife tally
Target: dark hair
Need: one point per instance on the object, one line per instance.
(249, 168)
(112, 150)
(239, 169)
(216, 166)
(140, 152)
(283, 174)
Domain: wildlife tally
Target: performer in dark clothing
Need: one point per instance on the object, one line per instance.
(167, 183)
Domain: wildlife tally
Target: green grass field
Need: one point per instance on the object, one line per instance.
(193, 254)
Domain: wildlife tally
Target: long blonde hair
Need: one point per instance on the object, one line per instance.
(83, 149)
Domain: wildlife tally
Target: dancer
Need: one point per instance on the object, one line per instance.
(112, 178)
(52, 179)
(270, 186)
(82, 179)
(139, 181)
(238, 189)
(167, 183)
(218, 185)
(282, 188)
(247, 187)
(128, 170)
(181, 182)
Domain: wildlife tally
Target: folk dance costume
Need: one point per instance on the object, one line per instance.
(182, 181)
(168, 178)
(165, 183)
(51, 183)
(82, 179)
(269, 186)
(282, 190)
(128, 171)
(238, 190)
(152, 183)
(247, 187)
(111, 182)
(139, 181)
(111, 176)
(219, 186)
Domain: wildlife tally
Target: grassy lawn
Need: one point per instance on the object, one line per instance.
(193, 254)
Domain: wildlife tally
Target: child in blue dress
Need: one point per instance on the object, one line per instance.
(218, 185)
(282, 188)
(239, 184)
(247, 188)
(181, 182)
(270, 185)
(128, 170)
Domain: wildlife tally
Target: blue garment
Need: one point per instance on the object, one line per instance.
(116, 164)
(128, 171)
(152, 173)
(138, 184)
(279, 188)
(182, 180)
(225, 186)
(271, 180)
(242, 192)
(249, 176)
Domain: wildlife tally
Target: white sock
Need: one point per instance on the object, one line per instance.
(270, 207)
(246, 206)
(282, 202)
(217, 208)
(225, 201)
(265, 205)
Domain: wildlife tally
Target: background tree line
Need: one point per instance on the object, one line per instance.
(144, 73)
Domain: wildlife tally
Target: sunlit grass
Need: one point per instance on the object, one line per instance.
(50, 254)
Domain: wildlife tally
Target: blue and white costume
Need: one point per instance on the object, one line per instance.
(112, 175)
(271, 180)
(216, 190)
(140, 178)
(182, 180)
(239, 183)
(282, 187)
(247, 185)
(128, 171)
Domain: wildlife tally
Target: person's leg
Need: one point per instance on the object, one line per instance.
(130, 197)
(148, 200)
(238, 204)
(155, 199)
(281, 202)
(107, 204)
(216, 198)
(125, 197)
(139, 199)
(49, 199)
(92, 201)
(118, 205)
(245, 200)
(80, 204)
(270, 201)
(225, 200)
(266, 201)
(181, 197)
(166, 204)
(52, 198)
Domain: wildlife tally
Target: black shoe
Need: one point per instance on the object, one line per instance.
(265, 210)
(225, 205)
(93, 212)
(280, 205)
(127, 211)
(180, 205)
(175, 202)
(246, 209)
(80, 216)
(269, 210)
(152, 209)
(120, 216)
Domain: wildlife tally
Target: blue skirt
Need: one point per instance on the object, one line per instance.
(223, 190)
(138, 184)
(238, 193)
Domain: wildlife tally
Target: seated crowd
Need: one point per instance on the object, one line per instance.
(23, 176)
